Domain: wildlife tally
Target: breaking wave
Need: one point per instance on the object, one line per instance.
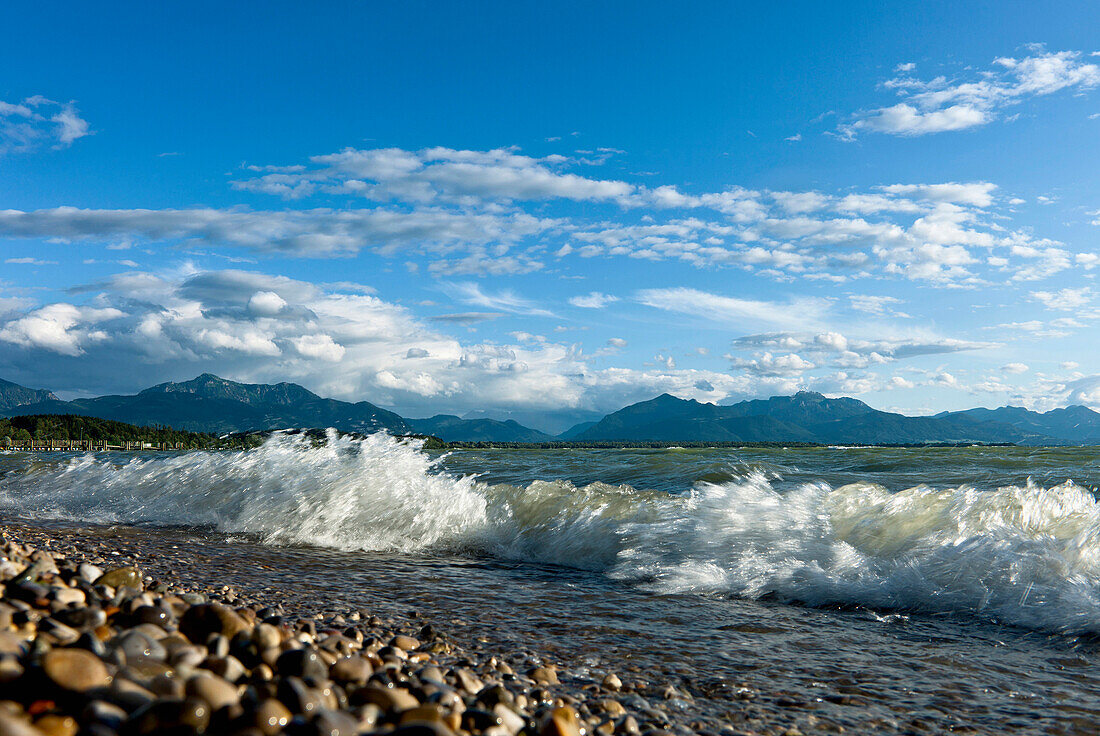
(1023, 555)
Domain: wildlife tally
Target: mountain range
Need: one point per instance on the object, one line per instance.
(208, 403)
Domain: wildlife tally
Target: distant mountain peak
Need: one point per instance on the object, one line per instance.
(667, 398)
(13, 395)
(207, 385)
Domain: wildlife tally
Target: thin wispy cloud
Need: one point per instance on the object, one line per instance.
(38, 122)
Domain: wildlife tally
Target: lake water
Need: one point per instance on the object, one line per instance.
(920, 589)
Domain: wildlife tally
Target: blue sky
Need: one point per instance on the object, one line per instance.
(551, 211)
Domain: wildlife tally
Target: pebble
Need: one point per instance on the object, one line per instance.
(205, 619)
(302, 663)
(214, 690)
(561, 722)
(75, 670)
(121, 577)
(544, 675)
(11, 725)
(89, 572)
(355, 669)
(271, 717)
(122, 657)
(53, 724)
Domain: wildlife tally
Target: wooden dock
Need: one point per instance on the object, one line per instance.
(91, 446)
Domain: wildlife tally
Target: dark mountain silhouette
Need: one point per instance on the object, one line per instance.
(13, 395)
(208, 403)
(454, 429)
(212, 404)
(1073, 424)
(803, 417)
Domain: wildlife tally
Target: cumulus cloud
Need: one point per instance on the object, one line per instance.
(37, 122)
(463, 213)
(877, 305)
(939, 105)
(65, 329)
(435, 174)
(260, 327)
(774, 365)
(1068, 300)
(315, 233)
(838, 351)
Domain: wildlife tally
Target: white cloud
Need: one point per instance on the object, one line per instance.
(941, 105)
(316, 233)
(977, 193)
(593, 300)
(266, 303)
(734, 311)
(942, 233)
(58, 328)
(1015, 368)
(505, 301)
(348, 345)
(436, 174)
(1065, 299)
(878, 305)
(38, 122)
(774, 365)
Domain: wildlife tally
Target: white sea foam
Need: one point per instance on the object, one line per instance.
(1024, 555)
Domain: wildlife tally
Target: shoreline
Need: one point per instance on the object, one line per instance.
(210, 654)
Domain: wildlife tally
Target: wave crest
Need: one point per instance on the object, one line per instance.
(1023, 555)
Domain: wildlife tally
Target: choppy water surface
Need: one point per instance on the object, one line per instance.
(951, 586)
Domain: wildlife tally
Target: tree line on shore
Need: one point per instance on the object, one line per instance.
(21, 430)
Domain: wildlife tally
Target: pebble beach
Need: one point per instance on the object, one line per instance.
(100, 637)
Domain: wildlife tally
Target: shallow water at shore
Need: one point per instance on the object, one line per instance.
(859, 669)
(951, 588)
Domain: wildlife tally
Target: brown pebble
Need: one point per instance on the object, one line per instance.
(11, 644)
(200, 621)
(10, 668)
(561, 722)
(423, 729)
(335, 723)
(271, 716)
(119, 577)
(57, 725)
(351, 669)
(214, 690)
(11, 725)
(425, 713)
(75, 670)
(544, 675)
(386, 698)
